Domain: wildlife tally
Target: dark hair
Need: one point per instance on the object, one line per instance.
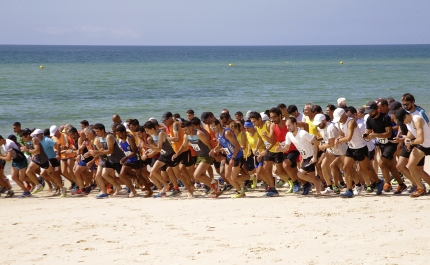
(277, 111)
(120, 128)
(141, 129)
(224, 115)
(327, 117)
(196, 121)
(26, 132)
(186, 124)
(99, 126)
(316, 109)
(292, 108)
(85, 123)
(267, 112)
(239, 113)
(134, 122)
(190, 111)
(408, 97)
(176, 116)
(281, 106)
(254, 115)
(113, 126)
(383, 102)
(390, 100)
(16, 124)
(1, 137)
(46, 132)
(215, 121)
(149, 125)
(72, 130)
(292, 119)
(351, 109)
(332, 107)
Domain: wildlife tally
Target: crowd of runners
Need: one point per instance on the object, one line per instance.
(336, 151)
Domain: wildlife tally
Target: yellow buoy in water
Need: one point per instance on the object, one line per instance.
(230, 64)
(41, 67)
(341, 62)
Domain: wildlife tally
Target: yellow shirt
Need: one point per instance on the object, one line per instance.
(260, 131)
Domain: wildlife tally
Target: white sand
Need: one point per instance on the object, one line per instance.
(367, 229)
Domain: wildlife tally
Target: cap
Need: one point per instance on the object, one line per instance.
(167, 115)
(264, 117)
(318, 119)
(36, 132)
(152, 119)
(370, 106)
(394, 106)
(205, 116)
(53, 130)
(337, 114)
(247, 114)
(400, 115)
(341, 101)
(248, 124)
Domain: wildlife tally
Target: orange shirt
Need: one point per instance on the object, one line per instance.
(178, 144)
(65, 140)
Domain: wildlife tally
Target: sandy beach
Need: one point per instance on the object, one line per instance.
(367, 229)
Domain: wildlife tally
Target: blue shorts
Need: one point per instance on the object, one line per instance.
(20, 165)
(82, 163)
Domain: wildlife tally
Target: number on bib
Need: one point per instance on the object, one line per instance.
(227, 151)
(382, 140)
(162, 152)
(283, 144)
(302, 152)
(195, 147)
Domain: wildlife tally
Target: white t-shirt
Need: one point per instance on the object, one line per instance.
(426, 130)
(10, 145)
(332, 132)
(361, 123)
(301, 117)
(303, 142)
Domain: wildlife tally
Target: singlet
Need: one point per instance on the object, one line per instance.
(211, 135)
(357, 140)
(239, 139)
(166, 148)
(361, 123)
(303, 142)
(40, 158)
(227, 145)
(252, 142)
(48, 145)
(117, 154)
(86, 159)
(426, 130)
(126, 148)
(313, 129)
(280, 134)
(178, 144)
(197, 145)
(260, 131)
(17, 155)
(421, 112)
(65, 140)
(332, 132)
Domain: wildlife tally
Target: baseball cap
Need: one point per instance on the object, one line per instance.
(36, 132)
(52, 130)
(318, 119)
(394, 106)
(167, 115)
(264, 117)
(247, 114)
(248, 124)
(337, 114)
(370, 106)
(400, 115)
(205, 116)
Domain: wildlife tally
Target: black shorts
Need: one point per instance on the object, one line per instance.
(426, 150)
(358, 154)
(292, 156)
(388, 150)
(307, 166)
(147, 161)
(372, 154)
(217, 164)
(250, 163)
(406, 153)
(275, 157)
(134, 165)
(193, 160)
(116, 166)
(54, 162)
(185, 159)
(2, 164)
(168, 160)
(238, 162)
(44, 165)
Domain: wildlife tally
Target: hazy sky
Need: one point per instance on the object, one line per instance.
(209, 22)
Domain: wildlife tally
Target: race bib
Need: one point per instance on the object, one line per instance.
(127, 153)
(149, 151)
(302, 152)
(267, 144)
(350, 145)
(195, 147)
(382, 140)
(162, 152)
(227, 151)
(283, 144)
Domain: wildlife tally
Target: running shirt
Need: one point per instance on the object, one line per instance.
(11, 146)
(228, 147)
(246, 152)
(65, 140)
(40, 158)
(303, 142)
(252, 142)
(280, 134)
(332, 132)
(126, 148)
(197, 145)
(48, 145)
(426, 130)
(378, 125)
(421, 112)
(313, 129)
(361, 123)
(357, 140)
(117, 154)
(260, 131)
(166, 148)
(178, 144)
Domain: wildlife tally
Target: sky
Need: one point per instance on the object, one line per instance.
(210, 22)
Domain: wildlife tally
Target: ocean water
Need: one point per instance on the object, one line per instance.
(95, 82)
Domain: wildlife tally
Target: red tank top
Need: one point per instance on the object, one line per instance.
(280, 134)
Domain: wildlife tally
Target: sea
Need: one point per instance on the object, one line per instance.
(45, 85)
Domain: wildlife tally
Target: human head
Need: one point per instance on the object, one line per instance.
(196, 123)
(206, 117)
(249, 126)
(224, 118)
(121, 131)
(215, 125)
(329, 110)
(292, 110)
(116, 118)
(371, 109)
(403, 117)
(150, 127)
(317, 109)
(320, 121)
(167, 118)
(133, 124)
(190, 114)
(239, 116)
(255, 118)
(26, 134)
(16, 126)
(188, 127)
(394, 106)
(73, 133)
(291, 124)
(53, 131)
(225, 111)
(341, 102)
(275, 115)
(307, 110)
(339, 115)
(283, 109)
(89, 133)
(408, 102)
(351, 112)
(383, 106)
(84, 124)
(236, 127)
(99, 129)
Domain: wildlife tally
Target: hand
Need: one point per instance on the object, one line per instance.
(313, 160)
(123, 160)
(90, 164)
(174, 156)
(407, 142)
(336, 142)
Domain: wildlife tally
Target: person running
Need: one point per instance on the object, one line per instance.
(378, 125)
(190, 114)
(357, 151)
(417, 141)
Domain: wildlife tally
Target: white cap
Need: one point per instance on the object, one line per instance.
(341, 101)
(36, 132)
(318, 119)
(264, 117)
(152, 118)
(337, 114)
(247, 114)
(52, 130)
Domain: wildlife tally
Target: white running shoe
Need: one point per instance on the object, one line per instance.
(327, 191)
(357, 190)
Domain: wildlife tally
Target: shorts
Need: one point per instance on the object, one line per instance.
(185, 158)
(168, 160)
(426, 150)
(293, 155)
(116, 166)
(82, 163)
(134, 165)
(204, 159)
(358, 154)
(21, 164)
(307, 166)
(275, 157)
(250, 163)
(406, 154)
(256, 163)
(194, 160)
(238, 162)
(217, 164)
(388, 150)
(54, 162)
(44, 165)
(147, 161)
(2, 164)
(372, 154)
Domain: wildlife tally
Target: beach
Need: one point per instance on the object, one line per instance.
(367, 229)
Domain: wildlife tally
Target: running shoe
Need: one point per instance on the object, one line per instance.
(57, 192)
(394, 182)
(228, 187)
(271, 193)
(239, 195)
(347, 194)
(412, 189)
(9, 194)
(357, 190)
(291, 187)
(159, 195)
(306, 188)
(370, 189)
(25, 194)
(64, 192)
(280, 183)
(37, 189)
(327, 191)
(254, 182)
(387, 187)
(174, 193)
(342, 185)
(102, 196)
(72, 186)
(379, 187)
(336, 189)
(207, 190)
(77, 192)
(3, 189)
(197, 185)
(296, 186)
(419, 192)
(400, 189)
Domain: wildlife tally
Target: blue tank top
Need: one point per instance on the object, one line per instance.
(227, 145)
(126, 148)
